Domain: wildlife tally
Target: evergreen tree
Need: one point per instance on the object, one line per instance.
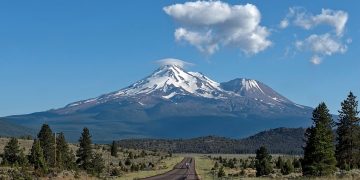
(221, 172)
(319, 151)
(127, 162)
(71, 165)
(279, 163)
(263, 162)
(98, 164)
(23, 160)
(348, 144)
(287, 168)
(114, 149)
(216, 165)
(37, 157)
(47, 143)
(12, 152)
(64, 159)
(297, 163)
(84, 153)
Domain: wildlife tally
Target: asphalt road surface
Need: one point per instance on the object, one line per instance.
(180, 172)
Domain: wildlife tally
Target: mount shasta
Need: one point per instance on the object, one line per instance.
(174, 103)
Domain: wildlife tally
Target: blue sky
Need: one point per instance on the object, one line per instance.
(56, 52)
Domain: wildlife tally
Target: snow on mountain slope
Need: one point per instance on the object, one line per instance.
(167, 82)
(174, 100)
(254, 89)
(170, 76)
(171, 80)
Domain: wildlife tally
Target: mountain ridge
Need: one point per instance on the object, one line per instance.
(278, 140)
(173, 100)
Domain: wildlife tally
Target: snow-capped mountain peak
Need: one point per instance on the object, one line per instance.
(249, 84)
(173, 79)
(254, 89)
(167, 81)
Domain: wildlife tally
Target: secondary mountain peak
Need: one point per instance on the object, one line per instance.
(170, 99)
(254, 89)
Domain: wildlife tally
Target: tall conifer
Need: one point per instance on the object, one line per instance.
(114, 149)
(84, 153)
(37, 157)
(319, 151)
(347, 147)
(47, 143)
(12, 152)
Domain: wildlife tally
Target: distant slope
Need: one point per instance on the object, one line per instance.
(174, 103)
(280, 140)
(9, 129)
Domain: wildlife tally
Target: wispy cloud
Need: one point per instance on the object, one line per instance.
(300, 17)
(173, 61)
(320, 45)
(211, 25)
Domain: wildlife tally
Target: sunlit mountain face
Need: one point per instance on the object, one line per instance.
(175, 103)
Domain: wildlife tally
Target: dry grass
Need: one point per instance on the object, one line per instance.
(164, 166)
(24, 144)
(203, 167)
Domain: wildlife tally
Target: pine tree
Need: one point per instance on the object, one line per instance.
(263, 162)
(47, 142)
(279, 163)
(23, 160)
(114, 149)
(216, 165)
(98, 164)
(84, 153)
(319, 151)
(37, 157)
(11, 152)
(348, 144)
(287, 168)
(63, 154)
(297, 163)
(221, 172)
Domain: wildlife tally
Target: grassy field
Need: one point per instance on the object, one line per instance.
(203, 166)
(164, 166)
(162, 163)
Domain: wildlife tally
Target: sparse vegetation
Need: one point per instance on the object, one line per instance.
(50, 155)
(92, 160)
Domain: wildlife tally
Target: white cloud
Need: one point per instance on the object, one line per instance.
(316, 60)
(203, 42)
(173, 61)
(210, 25)
(284, 24)
(335, 18)
(321, 45)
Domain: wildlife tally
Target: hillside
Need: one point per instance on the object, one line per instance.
(280, 140)
(9, 129)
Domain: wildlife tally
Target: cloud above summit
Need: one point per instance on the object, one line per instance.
(173, 61)
(212, 25)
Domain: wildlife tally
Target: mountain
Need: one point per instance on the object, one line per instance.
(174, 103)
(9, 129)
(279, 140)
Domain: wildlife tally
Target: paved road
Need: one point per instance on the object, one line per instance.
(180, 172)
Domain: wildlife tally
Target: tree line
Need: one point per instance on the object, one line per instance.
(322, 156)
(50, 153)
(283, 141)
